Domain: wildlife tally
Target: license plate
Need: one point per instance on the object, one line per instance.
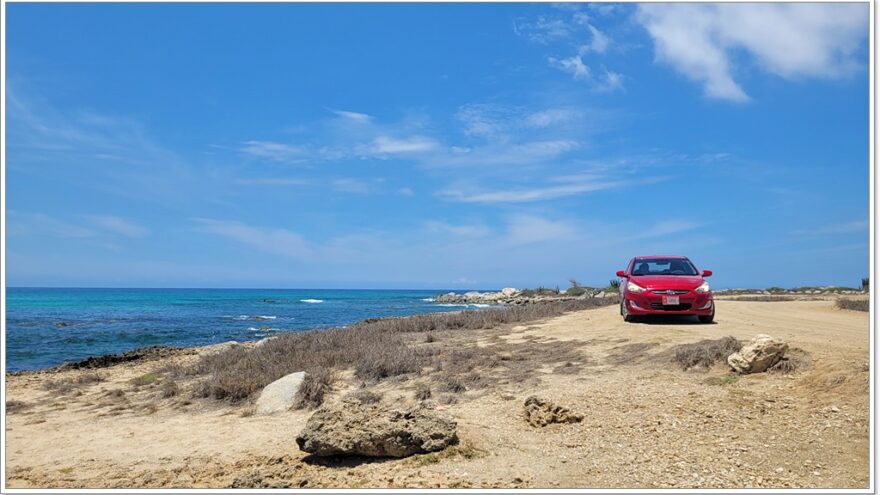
(670, 300)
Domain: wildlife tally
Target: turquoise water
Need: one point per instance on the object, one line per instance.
(46, 327)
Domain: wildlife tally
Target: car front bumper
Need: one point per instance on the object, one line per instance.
(648, 303)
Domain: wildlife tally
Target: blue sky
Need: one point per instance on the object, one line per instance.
(434, 145)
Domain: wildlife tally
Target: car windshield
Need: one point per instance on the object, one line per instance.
(664, 266)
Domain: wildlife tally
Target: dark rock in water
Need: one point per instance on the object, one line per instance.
(62, 324)
(352, 428)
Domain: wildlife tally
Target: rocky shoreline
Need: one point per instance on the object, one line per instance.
(511, 296)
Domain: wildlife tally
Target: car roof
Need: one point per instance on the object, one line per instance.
(661, 257)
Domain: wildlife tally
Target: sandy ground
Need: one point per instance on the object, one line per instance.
(647, 423)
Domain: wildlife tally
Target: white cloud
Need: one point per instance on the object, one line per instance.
(272, 181)
(851, 227)
(406, 191)
(573, 65)
(528, 229)
(543, 29)
(599, 42)
(270, 240)
(357, 186)
(354, 116)
(564, 186)
(389, 145)
(118, 225)
(551, 116)
(790, 40)
(461, 230)
(273, 151)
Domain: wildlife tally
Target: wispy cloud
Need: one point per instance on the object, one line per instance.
(391, 145)
(566, 186)
(357, 186)
(849, 227)
(277, 241)
(272, 181)
(278, 152)
(573, 65)
(787, 39)
(353, 116)
(118, 225)
(461, 230)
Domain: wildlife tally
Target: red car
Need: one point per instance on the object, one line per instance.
(665, 285)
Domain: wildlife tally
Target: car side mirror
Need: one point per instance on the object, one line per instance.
(707, 273)
(621, 273)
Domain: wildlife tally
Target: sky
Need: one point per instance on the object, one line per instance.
(446, 146)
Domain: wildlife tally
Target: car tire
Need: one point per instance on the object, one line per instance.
(707, 318)
(623, 312)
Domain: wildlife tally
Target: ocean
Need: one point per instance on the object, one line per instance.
(48, 326)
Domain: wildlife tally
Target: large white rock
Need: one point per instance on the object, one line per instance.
(210, 350)
(509, 291)
(760, 353)
(278, 396)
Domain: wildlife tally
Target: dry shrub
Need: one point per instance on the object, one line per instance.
(169, 388)
(795, 360)
(15, 406)
(853, 304)
(365, 396)
(376, 349)
(705, 353)
(764, 298)
(67, 385)
(423, 391)
(314, 387)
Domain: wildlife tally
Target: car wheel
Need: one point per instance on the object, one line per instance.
(707, 319)
(626, 316)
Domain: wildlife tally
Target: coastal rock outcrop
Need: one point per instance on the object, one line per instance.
(210, 350)
(351, 428)
(279, 395)
(542, 412)
(758, 355)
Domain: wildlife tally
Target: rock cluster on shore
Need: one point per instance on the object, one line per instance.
(509, 295)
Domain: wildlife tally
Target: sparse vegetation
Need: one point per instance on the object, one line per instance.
(423, 391)
(68, 385)
(313, 389)
(376, 349)
(145, 379)
(365, 396)
(614, 284)
(853, 304)
(866, 284)
(15, 406)
(705, 353)
(765, 298)
(722, 380)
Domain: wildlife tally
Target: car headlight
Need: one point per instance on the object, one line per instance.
(634, 288)
(703, 288)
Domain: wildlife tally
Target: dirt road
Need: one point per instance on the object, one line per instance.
(647, 422)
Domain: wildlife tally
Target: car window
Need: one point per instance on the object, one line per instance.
(663, 267)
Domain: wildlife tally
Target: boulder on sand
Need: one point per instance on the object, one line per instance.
(758, 355)
(210, 350)
(351, 428)
(542, 412)
(278, 396)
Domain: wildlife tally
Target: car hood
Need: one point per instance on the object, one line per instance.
(667, 281)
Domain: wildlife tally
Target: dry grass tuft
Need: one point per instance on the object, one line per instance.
(853, 304)
(68, 385)
(795, 360)
(705, 353)
(17, 406)
(365, 396)
(314, 387)
(423, 391)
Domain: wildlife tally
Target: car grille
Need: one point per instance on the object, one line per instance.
(669, 291)
(675, 307)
